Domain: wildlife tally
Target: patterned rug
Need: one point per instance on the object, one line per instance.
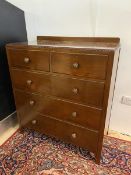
(32, 153)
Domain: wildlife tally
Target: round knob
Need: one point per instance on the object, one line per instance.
(74, 114)
(76, 65)
(73, 135)
(31, 102)
(26, 60)
(75, 90)
(29, 82)
(33, 122)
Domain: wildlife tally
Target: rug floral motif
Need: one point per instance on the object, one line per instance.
(31, 153)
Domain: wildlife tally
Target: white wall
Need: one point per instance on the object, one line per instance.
(114, 19)
(88, 18)
(56, 17)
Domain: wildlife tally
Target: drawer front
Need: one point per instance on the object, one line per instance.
(30, 59)
(65, 131)
(90, 66)
(31, 82)
(86, 92)
(81, 91)
(63, 110)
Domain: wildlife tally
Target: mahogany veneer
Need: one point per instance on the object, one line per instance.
(61, 87)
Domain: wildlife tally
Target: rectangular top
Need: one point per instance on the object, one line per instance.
(71, 42)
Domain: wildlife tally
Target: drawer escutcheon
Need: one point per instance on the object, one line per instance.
(74, 135)
(26, 60)
(34, 122)
(32, 102)
(76, 65)
(29, 82)
(75, 90)
(74, 114)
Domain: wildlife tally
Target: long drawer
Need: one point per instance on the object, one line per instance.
(28, 104)
(65, 131)
(30, 59)
(82, 91)
(86, 65)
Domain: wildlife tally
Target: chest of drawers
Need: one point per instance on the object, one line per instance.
(63, 87)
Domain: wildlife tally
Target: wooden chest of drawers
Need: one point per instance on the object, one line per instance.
(63, 87)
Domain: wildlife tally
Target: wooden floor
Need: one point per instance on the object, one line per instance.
(9, 132)
(119, 135)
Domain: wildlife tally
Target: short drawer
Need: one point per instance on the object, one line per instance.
(29, 59)
(87, 117)
(65, 131)
(90, 66)
(81, 91)
(30, 81)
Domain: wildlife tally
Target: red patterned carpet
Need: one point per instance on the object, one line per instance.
(31, 153)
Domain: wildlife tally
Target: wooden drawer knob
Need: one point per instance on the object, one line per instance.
(76, 65)
(74, 114)
(75, 90)
(34, 122)
(32, 102)
(29, 82)
(73, 135)
(26, 60)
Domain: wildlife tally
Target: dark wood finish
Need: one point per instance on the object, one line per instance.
(81, 91)
(30, 59)
(90, 66)
(71, 44)
(31, 82)
(108, 100)
(79, 39)
(68, 132)
(67, 95)
(57, 108)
